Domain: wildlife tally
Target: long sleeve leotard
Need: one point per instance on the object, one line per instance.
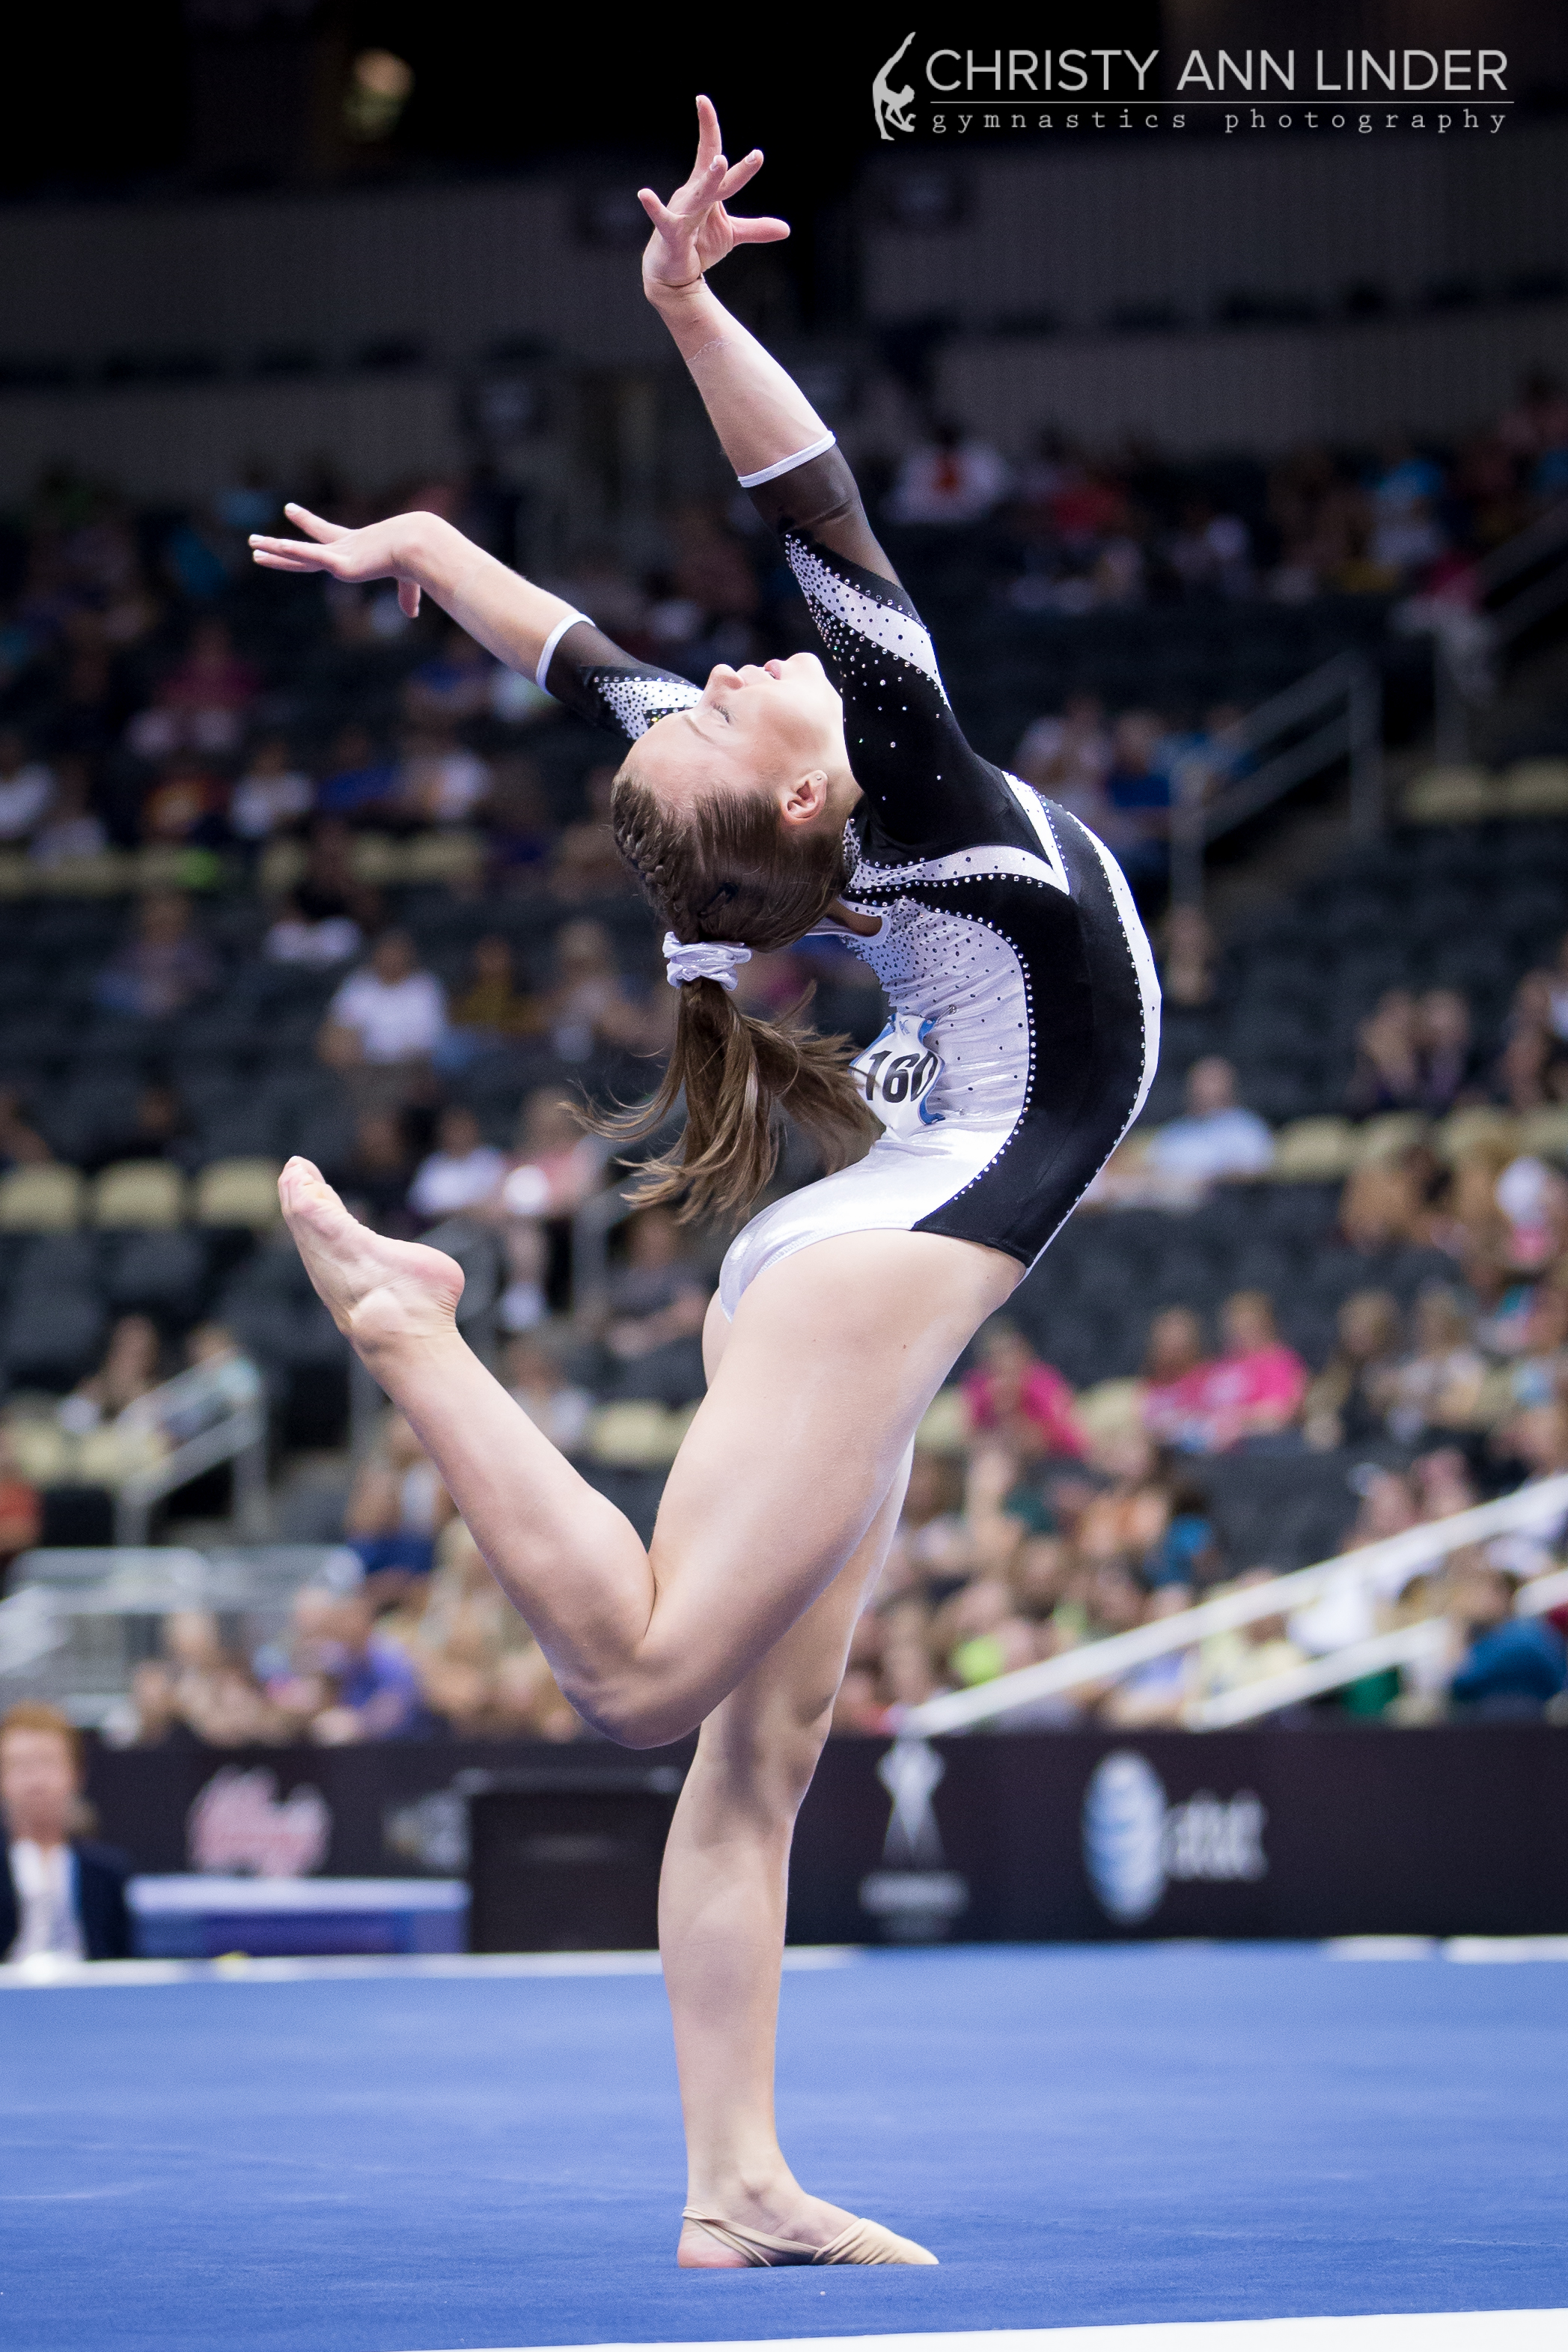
(1025, 1006)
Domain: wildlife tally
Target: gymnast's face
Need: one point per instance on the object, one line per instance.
(780, 724)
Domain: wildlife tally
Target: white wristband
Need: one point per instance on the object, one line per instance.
(554, 638)
(787, 465)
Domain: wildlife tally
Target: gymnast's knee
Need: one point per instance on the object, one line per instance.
(760, 1764)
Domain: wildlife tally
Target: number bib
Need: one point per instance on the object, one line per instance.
(896, 1073)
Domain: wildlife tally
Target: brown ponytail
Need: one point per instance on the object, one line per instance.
(727, 869)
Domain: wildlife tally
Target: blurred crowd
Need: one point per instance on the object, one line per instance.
(1093, 529)
(154, 692)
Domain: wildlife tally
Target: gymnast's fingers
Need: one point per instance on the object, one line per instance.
(736, 178)
(317, 525)
(708, 139)
(763, 230)
(408, 599)
(271, 563)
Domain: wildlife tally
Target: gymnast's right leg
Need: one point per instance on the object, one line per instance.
(832, 1360)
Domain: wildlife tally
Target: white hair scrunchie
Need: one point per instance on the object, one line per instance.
(703, 960)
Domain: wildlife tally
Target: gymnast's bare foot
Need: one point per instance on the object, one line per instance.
(381, 1293)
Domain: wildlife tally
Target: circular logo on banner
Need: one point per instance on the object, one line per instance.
(1123, 1835)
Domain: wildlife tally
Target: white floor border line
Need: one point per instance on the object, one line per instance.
(1423, 2331)
(50, 1975)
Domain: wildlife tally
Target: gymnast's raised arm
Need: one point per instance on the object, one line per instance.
(510, 615)
(763, 419)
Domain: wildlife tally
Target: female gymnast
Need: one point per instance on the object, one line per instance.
(771, 803)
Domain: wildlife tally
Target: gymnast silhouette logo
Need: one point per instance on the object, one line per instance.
(890, 105)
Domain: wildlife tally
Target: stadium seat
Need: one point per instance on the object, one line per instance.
(1386, 1136)
(160, 1274)
(52, 1341)
(1546, 1133)
(1313, 1150)
(1462, 1130)
(1536, 788)
(41, 1199)
(139, 1196)
(238, 1192)
(1455, 795)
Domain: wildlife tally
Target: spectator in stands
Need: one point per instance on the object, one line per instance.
(555, 1165)
(214, 686)
(1406, 535)
(1348, 1401)
(1447, 1042)
(1174, 1366)
(1069, 759)
(463, 1172)
(26, 788)
(200, 706)
(556, 1405)
(1388, 1074)
(1138, 789)
(375, 1178)
(1512, 1665)
(375, 1692)
(1439, 1384)
(587, 864)
(1538, 1374)
(62, 1898)
(388, 1015)
(71, 828)
(439, 781)
(131, 1369)
(518, 833)
(1189, 954)
(324, 917)
(21, 1508)
(477, 1663)
(1210, 554)
(588, 1005)
(160, 1127)
(293, 938)
(1253, 1391)
(1216, 1139)
(397, 1507)
(21, 1145)
(274, 794)
(492, 1008)
(453, 685)
(654, 1306)
(165, 968)
(360, 781)
(1247, 1653)
(1024, 1401)
(954, 477)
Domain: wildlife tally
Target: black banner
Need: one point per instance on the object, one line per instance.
(1032, 1837)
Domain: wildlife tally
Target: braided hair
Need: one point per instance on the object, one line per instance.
(727, 868)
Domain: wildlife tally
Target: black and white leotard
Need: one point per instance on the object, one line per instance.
(1025, 1007)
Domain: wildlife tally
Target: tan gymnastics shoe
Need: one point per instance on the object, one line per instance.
(863, 2242)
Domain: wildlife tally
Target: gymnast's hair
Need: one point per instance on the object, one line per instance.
(727, 867)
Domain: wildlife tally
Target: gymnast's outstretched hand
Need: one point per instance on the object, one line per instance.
(693, 231)
(383, 551)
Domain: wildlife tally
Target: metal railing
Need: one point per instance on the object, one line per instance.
(238, 1435)
(77, 1622)
(1334, 714)
(1520, 583)
(1388, 1562)
(1423, 1642)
